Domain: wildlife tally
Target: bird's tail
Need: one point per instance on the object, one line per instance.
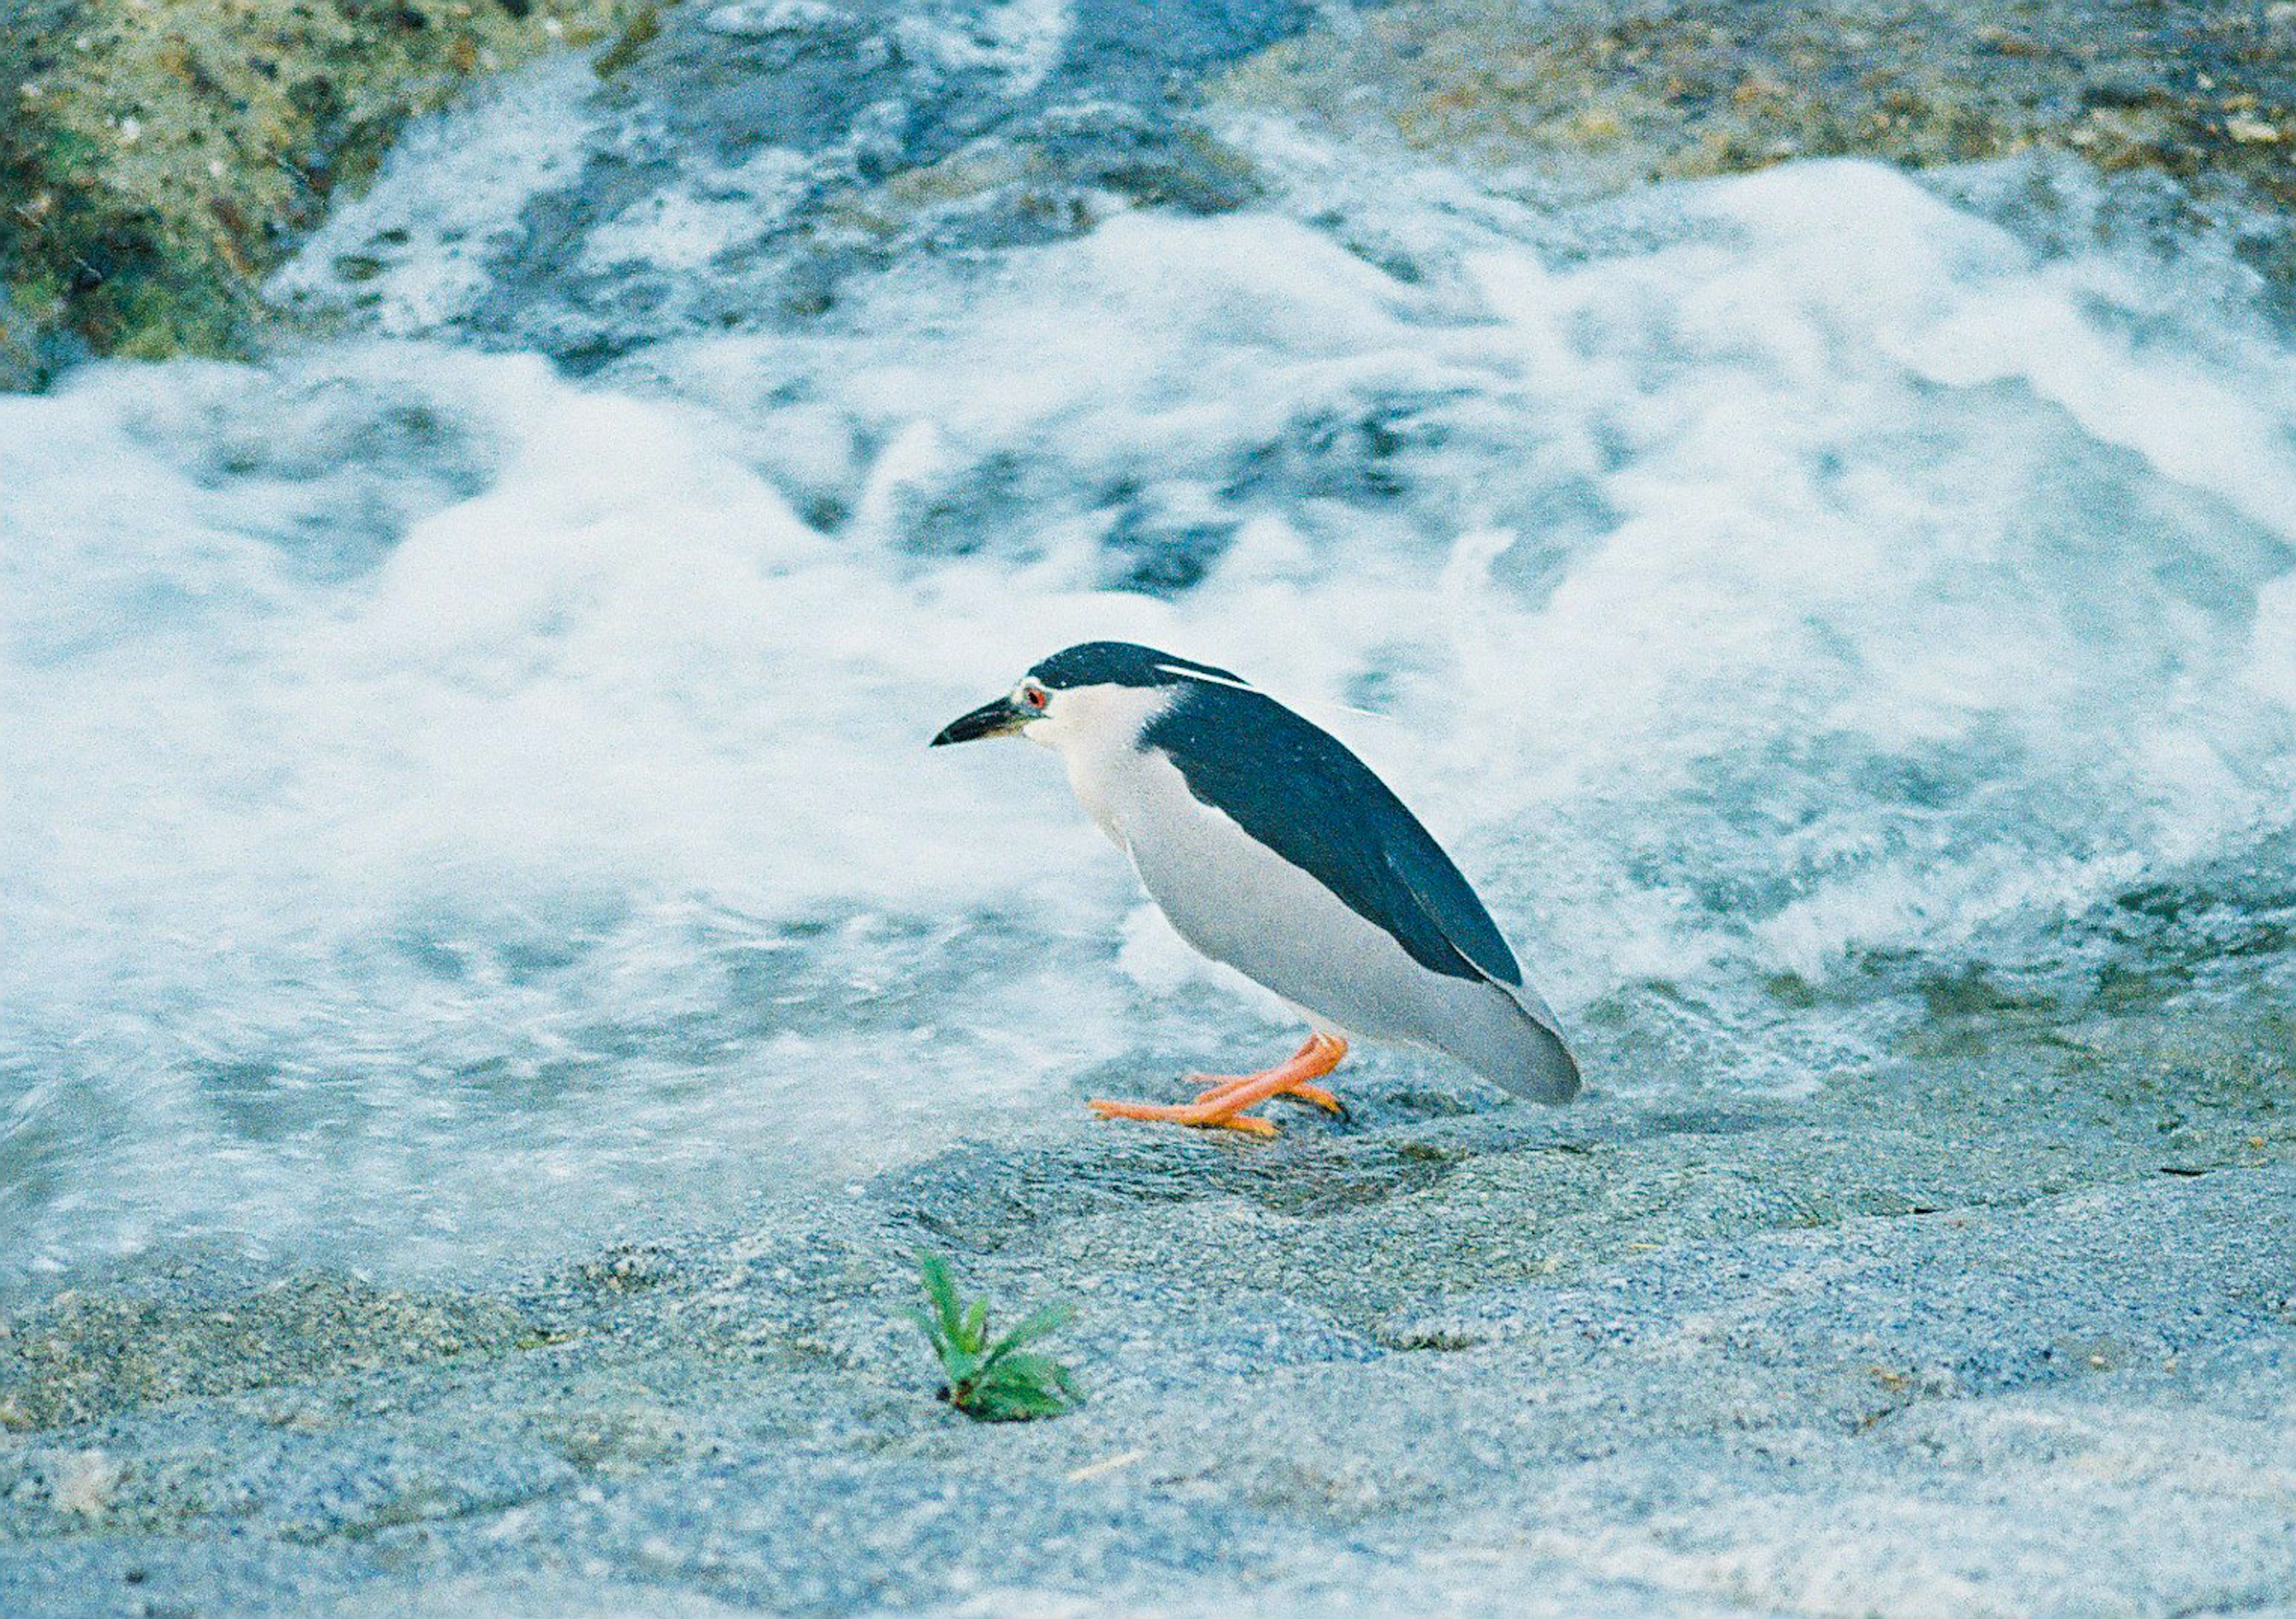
(1510, 1038)
(1543, 1069)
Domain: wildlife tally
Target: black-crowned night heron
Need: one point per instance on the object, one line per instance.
(1272, 848)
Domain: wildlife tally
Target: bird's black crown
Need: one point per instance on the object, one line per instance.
(1122, 663)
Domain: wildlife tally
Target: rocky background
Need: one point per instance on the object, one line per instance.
(160, 158)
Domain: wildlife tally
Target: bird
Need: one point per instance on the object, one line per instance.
(1271, 847)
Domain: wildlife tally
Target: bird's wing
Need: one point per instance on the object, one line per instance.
(1295, 788)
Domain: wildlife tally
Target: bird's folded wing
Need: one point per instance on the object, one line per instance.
(1298, 790)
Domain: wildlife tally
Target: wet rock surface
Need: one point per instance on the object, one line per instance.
(783, 148)
(155, 161)
(2004, 1343)
(1616, 93)
(159, 164)
(1590, 99)
(787, 149)
(787, 146)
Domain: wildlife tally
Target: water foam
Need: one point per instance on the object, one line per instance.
(450, 800)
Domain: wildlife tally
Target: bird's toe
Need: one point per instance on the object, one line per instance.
(1201, 1114)
(1318, 1095)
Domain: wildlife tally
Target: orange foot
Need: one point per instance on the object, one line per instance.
(1222, 1106)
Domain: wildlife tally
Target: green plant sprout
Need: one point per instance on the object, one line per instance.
(998, 1382)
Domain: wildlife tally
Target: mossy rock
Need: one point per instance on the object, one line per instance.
(158, 157)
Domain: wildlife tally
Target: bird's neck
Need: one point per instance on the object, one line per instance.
(1096, 732)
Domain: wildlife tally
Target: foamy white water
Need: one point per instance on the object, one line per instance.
(453, 807)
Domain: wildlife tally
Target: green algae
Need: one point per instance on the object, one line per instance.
(158, 157)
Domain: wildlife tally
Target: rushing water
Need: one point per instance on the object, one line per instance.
(458, 800)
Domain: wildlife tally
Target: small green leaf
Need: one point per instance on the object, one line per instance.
(991, 1383)
(963, 1365)
(941, 1288)
(1029, 1367)
(1023, 1386)
(1038, 1323)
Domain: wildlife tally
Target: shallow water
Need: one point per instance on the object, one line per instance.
(458, 807)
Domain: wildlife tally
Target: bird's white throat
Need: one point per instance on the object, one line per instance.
(1096, 731)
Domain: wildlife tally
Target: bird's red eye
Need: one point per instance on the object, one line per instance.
(1033, 696)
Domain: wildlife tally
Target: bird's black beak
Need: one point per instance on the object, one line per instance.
(1002, 717)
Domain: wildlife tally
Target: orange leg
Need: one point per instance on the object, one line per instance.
(1222, 1105)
